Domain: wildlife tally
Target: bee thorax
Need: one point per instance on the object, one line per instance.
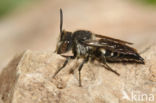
(82, 50)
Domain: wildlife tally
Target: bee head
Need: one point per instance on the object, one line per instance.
(65, 42)
(65, 39)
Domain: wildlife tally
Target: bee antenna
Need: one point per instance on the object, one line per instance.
(61, 20)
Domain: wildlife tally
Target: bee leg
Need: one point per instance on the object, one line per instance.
(65, 63)
(109, 68)
(80, 68)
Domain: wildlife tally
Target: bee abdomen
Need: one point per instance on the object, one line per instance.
(108, 53)
(121, 57)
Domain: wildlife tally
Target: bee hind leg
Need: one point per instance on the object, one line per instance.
(109, 68)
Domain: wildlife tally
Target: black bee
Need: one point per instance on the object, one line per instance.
(89, 46)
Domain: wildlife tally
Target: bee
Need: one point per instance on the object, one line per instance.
(91, 46)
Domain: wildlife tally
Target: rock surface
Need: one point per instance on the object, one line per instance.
(29, 79)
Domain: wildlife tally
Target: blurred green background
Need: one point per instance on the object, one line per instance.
(147, 2)
(6, 6)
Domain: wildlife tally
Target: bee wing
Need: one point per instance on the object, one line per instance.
(93, 43)
(112, 39)
(120, 51)
(98, 44)
(110, 45)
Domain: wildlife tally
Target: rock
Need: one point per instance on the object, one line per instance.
(8, 80)
(29, 79)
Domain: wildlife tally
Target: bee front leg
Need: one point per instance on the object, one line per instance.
(65, 63)
(80, 68)
(109, 68)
